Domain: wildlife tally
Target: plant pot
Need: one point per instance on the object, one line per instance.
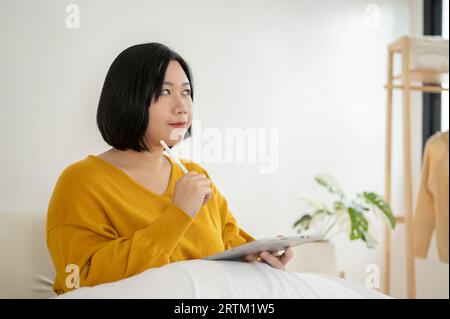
(314, 257)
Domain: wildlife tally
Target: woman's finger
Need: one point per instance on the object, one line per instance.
(251, 258)
(271, 260)
(288, 254)
(278, 253)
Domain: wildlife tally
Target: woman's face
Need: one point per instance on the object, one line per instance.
(171, 116)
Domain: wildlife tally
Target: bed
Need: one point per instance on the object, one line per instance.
(206, 279)
(26, 271)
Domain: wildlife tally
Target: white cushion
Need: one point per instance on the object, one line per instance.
(26, 269)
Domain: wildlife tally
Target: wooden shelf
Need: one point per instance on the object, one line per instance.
(425, 76)
(423, 88)
(410, 79)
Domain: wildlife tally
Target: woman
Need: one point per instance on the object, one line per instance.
(131, 208)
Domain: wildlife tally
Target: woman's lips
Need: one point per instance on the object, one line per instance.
(178, 125)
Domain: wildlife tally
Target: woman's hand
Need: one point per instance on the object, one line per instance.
(191, 192)
(273, 259)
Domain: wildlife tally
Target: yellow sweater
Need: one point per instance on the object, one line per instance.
(432, 208)
(111, 227)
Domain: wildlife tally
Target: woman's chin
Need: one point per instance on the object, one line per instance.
(176, 135)
(172, 142)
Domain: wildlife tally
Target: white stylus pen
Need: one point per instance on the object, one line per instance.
(176, 160)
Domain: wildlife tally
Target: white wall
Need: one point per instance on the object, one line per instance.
(313, 69)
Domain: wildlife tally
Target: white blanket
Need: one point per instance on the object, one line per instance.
(225, 279)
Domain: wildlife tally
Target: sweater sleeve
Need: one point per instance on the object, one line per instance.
(424, 219)
(232, 234)
(84, 237)
(102, 256)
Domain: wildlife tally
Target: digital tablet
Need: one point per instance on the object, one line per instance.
(269, 244)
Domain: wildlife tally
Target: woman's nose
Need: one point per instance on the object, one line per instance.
(181, 107)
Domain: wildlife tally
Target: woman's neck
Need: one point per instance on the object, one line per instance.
(153, 160)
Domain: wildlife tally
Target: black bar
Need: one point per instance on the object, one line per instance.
(431, 112)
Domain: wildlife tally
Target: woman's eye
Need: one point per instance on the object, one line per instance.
(163, 92)
(187, 91)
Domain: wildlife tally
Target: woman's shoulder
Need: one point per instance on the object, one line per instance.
(75, 187)
(79, 172)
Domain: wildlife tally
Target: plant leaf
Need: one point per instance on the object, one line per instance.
(313, 203)
(303, 223)
(330, 184)
(338, 206)
(378, 201)
(359, 224)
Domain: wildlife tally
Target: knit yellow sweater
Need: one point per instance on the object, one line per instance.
(110, 227)
(432, 208)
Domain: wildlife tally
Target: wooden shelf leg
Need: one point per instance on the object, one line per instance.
(407, 167)
(387, 195)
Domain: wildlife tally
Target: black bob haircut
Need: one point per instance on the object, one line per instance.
(133, 79)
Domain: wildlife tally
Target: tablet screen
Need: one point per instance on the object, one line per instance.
(268, 244)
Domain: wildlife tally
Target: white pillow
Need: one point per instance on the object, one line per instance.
(224, 280)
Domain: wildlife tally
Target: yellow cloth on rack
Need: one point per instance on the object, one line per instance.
(108, 226)
(432, 208)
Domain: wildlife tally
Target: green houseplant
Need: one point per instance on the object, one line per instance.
(345, 214)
